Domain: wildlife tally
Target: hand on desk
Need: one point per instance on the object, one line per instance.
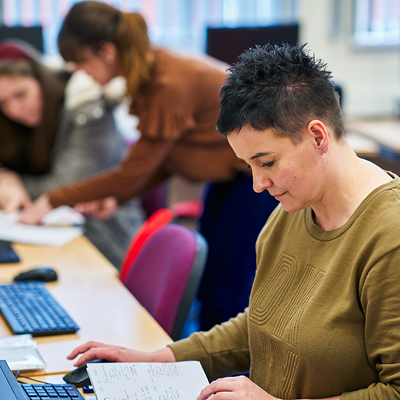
(95, 350)
(239, 387)
(34, 213)
(13, 194)
(101, 209)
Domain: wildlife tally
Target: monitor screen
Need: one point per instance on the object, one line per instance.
(32, 35)
(227, 44)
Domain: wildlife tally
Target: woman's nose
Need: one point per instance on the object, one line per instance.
(261, 183)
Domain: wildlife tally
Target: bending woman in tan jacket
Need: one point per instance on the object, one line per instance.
(177, 101)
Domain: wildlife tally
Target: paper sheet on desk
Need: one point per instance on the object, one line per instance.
(20, 352)
(179, 380)
(36, 234)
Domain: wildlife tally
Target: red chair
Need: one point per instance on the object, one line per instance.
(165, 275)
(153, 224)
(191, 209)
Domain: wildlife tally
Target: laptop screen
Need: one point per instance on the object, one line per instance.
(9, 387)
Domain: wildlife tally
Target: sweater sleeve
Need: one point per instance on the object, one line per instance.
(380, 299)
(125, 181)
(222, 351)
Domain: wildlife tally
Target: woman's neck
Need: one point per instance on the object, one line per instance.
(350, 181)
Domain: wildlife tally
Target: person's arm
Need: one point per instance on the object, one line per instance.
(379, 299)
(127, 180)
(94, 350)
(222, 351)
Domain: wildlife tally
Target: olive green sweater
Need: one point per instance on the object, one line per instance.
(324, 313)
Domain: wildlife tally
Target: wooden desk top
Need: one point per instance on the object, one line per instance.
(89, 289)
(386, 132)
(363, 146)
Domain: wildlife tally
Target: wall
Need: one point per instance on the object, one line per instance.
(370, 78)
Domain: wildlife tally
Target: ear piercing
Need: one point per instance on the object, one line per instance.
(323, 151)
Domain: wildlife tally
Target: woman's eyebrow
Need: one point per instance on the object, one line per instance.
(258, 155)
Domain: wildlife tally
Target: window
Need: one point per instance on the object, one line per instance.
(179, 24)
(377, 23)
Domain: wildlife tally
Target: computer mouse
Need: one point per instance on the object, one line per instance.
(79, 376)
(43, 273)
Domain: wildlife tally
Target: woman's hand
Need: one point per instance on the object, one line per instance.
(236, 388)
(13, 194)
(94, 350)
(102, 209)
(33, 214)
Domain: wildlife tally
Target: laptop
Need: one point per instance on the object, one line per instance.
(10, 389)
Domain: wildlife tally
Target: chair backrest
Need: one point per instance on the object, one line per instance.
(155, 199)
(192, 209)
(154, 223)
(166, 274)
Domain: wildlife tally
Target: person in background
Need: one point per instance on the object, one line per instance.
(176, 100)
(323, 319)
(56, 128)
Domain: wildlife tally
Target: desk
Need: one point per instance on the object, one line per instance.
(386, 132)
(89, 289)
(364, 147)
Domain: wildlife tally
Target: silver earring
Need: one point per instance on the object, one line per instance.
(323, 151)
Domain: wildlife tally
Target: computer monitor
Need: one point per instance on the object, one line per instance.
(227, 44)
(32, 35)
(9, 388)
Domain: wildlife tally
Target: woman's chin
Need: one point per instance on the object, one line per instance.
(291, 206)
(31, 123)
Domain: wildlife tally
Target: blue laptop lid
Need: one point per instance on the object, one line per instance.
(9, 387)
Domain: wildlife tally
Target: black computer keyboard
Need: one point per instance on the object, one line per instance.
(7, 253)
(28, 307)
(51, 392)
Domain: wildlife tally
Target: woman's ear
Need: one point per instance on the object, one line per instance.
(108, 51)
(319, 134)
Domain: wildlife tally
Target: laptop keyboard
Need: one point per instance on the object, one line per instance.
(51, 392)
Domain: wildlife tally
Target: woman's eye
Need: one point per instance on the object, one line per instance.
(268, 164)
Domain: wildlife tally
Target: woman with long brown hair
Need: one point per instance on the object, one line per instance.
(56, 128)
(176, 99)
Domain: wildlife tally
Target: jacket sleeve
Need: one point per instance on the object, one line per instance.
(222, 351)
(86, 142)
(127, 180)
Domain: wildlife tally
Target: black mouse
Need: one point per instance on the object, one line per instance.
(43, 273)
(79, 376)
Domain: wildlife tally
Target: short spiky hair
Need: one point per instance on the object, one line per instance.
(279, 87)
